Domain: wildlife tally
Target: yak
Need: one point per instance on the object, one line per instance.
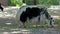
(32, 12)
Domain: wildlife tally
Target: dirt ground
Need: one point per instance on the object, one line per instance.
(8, 18)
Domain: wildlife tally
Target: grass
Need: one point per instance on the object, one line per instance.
(8, 26)
(57, 21)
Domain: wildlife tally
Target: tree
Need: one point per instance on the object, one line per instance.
(35, 2)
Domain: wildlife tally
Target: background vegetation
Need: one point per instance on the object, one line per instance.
(33, 2)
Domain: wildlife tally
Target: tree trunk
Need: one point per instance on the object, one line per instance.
(23, 1)
(35, 2)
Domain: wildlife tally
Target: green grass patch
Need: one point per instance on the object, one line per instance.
(8, 26)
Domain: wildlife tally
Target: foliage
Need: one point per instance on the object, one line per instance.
(31, 2)
(43, 2)
(48, 2)
(15, 2)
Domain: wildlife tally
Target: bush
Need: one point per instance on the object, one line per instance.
(48, 2)
(15, 2)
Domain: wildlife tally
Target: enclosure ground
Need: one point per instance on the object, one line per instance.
(8, 24)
